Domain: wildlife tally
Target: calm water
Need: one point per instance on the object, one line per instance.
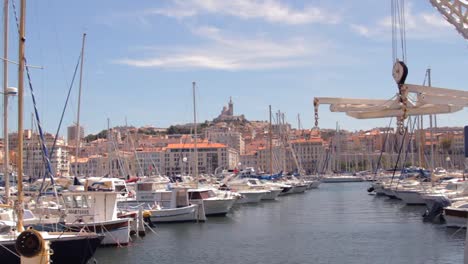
(337, 223)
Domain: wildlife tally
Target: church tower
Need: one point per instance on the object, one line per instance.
(231, 107)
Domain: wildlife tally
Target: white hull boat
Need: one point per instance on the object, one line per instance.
(410, 197)
(314, 184)
(336, 179)
(218, 206)
(167, 215)
(272, 194)
(299, 188)
(116, 232)
(251, 196)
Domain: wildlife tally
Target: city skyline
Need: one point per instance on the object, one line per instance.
(141, 59)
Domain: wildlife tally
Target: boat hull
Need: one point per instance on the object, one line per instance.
(455, 217)
(76, 250)
(342, 179)
(218, 207)
(299, 188)
(410, 197)
(250, 197)
(173, 215)
(272, 194)
(116, 232)
(314, 185)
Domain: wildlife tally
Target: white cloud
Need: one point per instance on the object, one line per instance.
(421, 25)
(268, 10)
(231, 53)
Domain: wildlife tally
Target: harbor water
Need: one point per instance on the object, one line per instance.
(337, 223)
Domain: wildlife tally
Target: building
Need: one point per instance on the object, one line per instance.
(149, 161)
(308, 153)
(179, 158)
(33, 156)
(115, 164)
(72, 134)
(230, 138)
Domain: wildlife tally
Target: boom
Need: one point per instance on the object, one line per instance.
(455, 12)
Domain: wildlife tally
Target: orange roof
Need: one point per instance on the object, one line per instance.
(199, 145)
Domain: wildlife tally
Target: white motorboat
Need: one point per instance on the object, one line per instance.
(456, 215)
(410, 197)
(165, 202)
(215, 202)
(341, 178)
(96, 211)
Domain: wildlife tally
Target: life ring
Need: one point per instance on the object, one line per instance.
(29, 243)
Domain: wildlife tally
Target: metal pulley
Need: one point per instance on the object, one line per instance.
(399, 73)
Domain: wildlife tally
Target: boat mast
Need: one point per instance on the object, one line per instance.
(195, 150)
(271, 144)
(6, 149)
(421, 142)
(77, 130)
(22, 39)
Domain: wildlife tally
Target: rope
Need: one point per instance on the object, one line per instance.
(64, 108)
(10, 251)
(383, 148)
(36, 112)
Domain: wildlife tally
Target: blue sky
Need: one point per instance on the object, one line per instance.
(142, 56)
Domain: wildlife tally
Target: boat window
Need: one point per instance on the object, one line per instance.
(195, 196)
(80, 201)
(166, 196)
(121, 189)
(28, 214)
(205, 195)
(252, 182)
(68, 201)
(144, 187)
(181, 198)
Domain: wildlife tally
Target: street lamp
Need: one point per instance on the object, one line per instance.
(184, 160)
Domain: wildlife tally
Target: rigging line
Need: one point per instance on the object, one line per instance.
(399, 155)
(39, 126)
(64, 108)
(383, 147)
(401, 147)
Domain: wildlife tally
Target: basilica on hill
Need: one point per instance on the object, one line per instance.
(227, 114)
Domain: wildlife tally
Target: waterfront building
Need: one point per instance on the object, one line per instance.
(149, 161)
(178, 158)
(227, 137)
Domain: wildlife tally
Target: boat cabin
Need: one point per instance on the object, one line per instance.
(107, 185)
(90, 206)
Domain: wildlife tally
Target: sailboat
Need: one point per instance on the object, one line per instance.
(67, 247)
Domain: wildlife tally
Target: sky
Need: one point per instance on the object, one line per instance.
(141, 58)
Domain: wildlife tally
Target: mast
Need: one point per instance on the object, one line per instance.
(271, 144)
(421, 142)
(77, 130)
(6, 174)
(22, 39)
(108, 147)
(195, 150)
(430, 123)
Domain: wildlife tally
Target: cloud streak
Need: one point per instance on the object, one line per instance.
(224, 52)
(271, 11)
(421, 25)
